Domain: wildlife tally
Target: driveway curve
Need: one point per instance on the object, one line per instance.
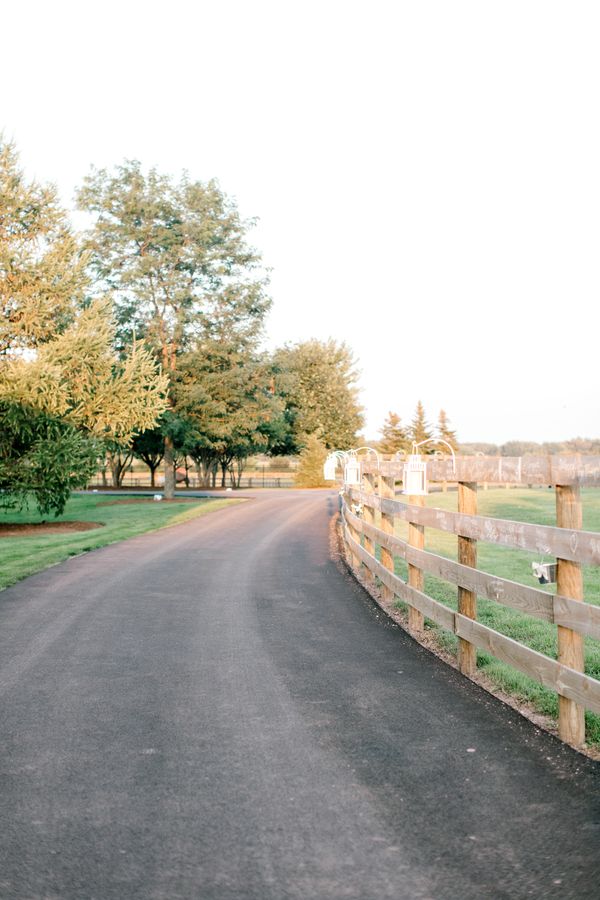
(218, 710)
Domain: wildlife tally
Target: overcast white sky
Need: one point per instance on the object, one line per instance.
(426, 174)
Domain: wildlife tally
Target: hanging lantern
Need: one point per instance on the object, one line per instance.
(352, 472)
(415, 476)
(329, 468)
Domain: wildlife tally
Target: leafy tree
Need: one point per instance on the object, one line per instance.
(42, 457)
(42, 274)
(317, 381)
(310, 467)
(175, 256)
(445, 432)
(76, 376)
(420, 429)
(149, 446)
(224, 393)
(62, 389)
(394, 437)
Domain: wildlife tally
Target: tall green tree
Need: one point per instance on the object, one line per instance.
(318, 383)
(63, 390)
(420, 429)
(149, 446)
(176, 257)
(393, 435)
(224, 394)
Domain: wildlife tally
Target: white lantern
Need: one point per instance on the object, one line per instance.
(352, 473)
(329, 468)
(415, 476)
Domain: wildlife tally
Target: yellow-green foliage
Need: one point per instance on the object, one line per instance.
(75, 376)
(310, 468)
(57, 356)
(62, 385)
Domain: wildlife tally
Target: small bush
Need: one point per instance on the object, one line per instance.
(310, 467)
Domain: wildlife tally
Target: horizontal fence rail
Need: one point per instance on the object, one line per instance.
(582, 546)
(369, 515)
(549, 470)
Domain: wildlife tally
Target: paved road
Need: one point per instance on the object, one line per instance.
(217, 710)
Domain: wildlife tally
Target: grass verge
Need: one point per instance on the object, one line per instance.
(25, 555)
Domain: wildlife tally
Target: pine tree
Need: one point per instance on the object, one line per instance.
(394, 437)
(445, 432)
(420, 429)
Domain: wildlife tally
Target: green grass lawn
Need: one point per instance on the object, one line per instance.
(524, 505)
(24, 555)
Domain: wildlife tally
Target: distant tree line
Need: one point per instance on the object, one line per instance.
(531, 448)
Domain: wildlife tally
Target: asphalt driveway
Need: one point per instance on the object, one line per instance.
(218, 710)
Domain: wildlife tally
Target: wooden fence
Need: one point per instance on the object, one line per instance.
(373, 527)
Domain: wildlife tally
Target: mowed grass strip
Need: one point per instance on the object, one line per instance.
(21, 556)
(535, 505)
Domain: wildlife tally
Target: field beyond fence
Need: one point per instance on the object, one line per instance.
(387, 536)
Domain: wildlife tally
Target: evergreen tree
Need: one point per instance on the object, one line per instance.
(312, 459)
(394, 437)
(445, 432)
(420, 429)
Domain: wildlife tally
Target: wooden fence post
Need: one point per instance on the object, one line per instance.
(569, 583)
(416, 579)
(369, 517)
(467, 555)
(387, 490)
(354, 559)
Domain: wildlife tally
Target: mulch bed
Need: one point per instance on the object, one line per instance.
(27, 529)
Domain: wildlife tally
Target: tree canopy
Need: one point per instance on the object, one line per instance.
(224, 395)
(62, 387)
(176, 257)
(318, 383)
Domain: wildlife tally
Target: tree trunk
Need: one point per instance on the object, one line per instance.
(118, 466)
(240, 463)
(115, 469)
(152, 476)
(169, 461)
